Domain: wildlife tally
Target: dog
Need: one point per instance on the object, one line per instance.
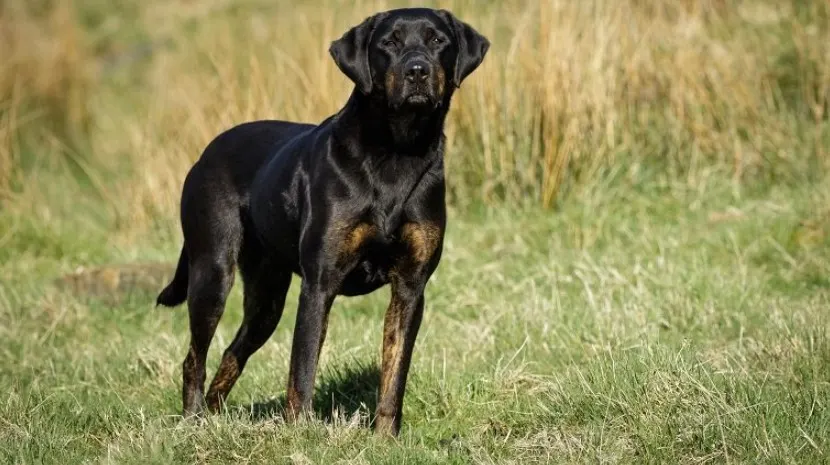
(349, 205)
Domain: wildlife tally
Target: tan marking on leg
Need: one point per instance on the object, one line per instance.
(392, 345)
(293, 407)
(192, 385)
(223, 381)
(385, 425)
(392, 352)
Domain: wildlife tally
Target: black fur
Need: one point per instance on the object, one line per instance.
(349, 205)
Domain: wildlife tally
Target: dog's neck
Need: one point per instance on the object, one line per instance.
(406, 131)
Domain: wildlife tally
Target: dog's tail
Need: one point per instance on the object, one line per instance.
(176, 292)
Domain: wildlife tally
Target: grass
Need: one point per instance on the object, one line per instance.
(637, 267)
(660, 327)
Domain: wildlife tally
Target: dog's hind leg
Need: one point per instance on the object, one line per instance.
(265, 285)
(213, 241)
(210, 284)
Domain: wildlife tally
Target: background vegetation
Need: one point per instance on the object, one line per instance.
(637, 267)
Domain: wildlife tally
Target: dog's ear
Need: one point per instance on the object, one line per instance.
(472, 47)
(351, 53)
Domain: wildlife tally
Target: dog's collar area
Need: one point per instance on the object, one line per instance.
(404, 128)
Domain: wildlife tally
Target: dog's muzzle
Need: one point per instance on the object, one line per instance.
(419, 86)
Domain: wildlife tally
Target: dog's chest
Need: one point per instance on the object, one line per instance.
(390, 187)
(371, 255)
(384, 237)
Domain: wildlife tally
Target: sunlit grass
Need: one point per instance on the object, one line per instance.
(630, 329)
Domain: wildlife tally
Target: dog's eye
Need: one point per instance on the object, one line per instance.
(389, 44)
(437, 40)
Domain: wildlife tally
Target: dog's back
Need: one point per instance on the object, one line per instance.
(223, 175)
(234, 157)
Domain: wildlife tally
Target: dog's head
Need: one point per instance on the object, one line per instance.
(411, 57)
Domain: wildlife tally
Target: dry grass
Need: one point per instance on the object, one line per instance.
(45, 80)
(570, 91)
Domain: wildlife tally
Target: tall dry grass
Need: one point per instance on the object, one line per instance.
(571, 92)
(45, 84)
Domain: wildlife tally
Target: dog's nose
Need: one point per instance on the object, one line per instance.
(417, 71)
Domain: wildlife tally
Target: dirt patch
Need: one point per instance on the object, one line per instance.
(117, 282)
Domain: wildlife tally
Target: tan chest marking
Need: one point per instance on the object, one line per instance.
(354, 237)
(422, 239)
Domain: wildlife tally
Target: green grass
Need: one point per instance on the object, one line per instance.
(659, 325)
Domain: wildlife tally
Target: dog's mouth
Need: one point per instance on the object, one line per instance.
(418, 98)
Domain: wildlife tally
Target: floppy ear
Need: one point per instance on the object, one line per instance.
(351, 53)
(472, 47)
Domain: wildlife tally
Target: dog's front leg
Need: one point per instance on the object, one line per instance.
(309, 332)
(400, 328)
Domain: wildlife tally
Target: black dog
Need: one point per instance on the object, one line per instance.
(349, 205)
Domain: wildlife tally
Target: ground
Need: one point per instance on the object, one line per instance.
(667, 325)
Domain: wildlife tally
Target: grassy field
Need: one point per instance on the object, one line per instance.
(637, 267)
(661, 327)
